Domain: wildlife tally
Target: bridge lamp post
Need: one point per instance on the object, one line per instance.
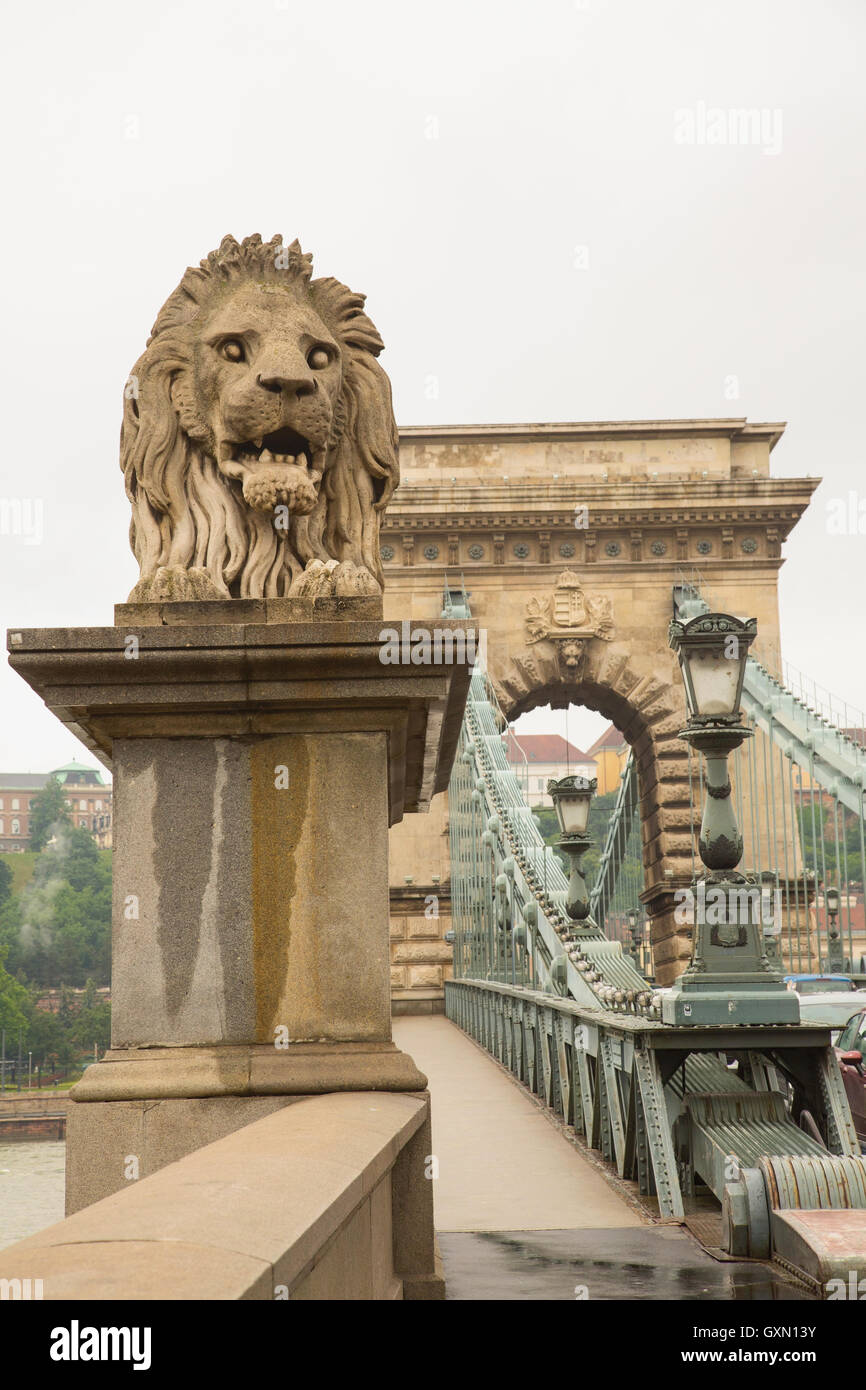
(835, 958)
(636, 933)
(571, 800)
(729, 979)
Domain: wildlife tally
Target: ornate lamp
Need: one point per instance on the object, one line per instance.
(835, 958)
(729, 979)
(712, 649)
(632, 916)
(571, 798)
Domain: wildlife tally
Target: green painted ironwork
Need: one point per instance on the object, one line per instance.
(670, 1106)
(799, 786)
(508, 888)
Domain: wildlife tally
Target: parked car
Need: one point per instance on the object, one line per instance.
(851, 1052)
(828, 999)
(821, 984)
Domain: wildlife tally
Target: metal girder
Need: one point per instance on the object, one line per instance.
(612, 1096)
(624, 1085)
(658, 1133)
(629, 1157)
(563, 1030)
(842, 1136)
(645, 1177)
(519, 1049)
(545, 1025)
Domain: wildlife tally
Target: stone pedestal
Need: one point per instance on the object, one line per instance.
(729, 979)
(260, 751)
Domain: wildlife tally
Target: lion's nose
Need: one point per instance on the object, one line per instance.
(286, 383)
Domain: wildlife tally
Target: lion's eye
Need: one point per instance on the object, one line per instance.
(318, 359)
(233, 350)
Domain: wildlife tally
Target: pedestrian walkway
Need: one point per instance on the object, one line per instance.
(520, 1213)
(502, 1164)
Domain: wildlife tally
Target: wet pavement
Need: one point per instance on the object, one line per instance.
(651, 1262)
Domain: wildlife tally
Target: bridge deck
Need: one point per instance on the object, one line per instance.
(502, 1165)
(520, 1212)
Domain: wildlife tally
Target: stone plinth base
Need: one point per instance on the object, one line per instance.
(163, 1073)
(141, 1108)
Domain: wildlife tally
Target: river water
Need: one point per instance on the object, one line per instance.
(32, 1188)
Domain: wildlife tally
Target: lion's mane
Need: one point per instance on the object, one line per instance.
(186, 515)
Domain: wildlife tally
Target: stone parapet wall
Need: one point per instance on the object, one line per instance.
(325, 1199)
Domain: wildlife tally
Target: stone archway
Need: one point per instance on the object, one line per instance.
(627, 677)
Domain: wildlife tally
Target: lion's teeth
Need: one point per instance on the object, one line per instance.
(266, 456)
(258, 443)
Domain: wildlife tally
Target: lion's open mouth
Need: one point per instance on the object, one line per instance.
(283, 446)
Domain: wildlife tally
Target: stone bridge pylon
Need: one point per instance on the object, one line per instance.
(569, 540)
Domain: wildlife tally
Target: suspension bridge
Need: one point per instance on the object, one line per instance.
(647, 1101)
(742, 1133)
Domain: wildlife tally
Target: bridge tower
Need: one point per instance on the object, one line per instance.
(570, 539)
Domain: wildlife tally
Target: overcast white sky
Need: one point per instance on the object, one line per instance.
(450, 160)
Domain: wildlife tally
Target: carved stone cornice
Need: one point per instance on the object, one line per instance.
(397, 519)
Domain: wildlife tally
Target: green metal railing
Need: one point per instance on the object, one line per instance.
(508, 888)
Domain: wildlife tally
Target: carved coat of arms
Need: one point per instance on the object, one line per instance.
(569, 617)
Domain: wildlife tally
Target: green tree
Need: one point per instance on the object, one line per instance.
(48, 809)
(58, 928)
(82, 867)
(5, 882)
(14, 1002)
(92, 1025)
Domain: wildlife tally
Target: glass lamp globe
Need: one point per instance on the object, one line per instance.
(571, 798)
(712, 649)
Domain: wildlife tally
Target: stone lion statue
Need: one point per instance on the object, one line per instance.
(258, 445)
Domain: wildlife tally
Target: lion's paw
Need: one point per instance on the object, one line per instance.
(330, 579)
(316, 580)
(171, 583)
(352, 579)
(290, 486)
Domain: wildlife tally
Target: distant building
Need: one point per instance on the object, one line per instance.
(611, 755)
(537, 757)
(88, 801)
